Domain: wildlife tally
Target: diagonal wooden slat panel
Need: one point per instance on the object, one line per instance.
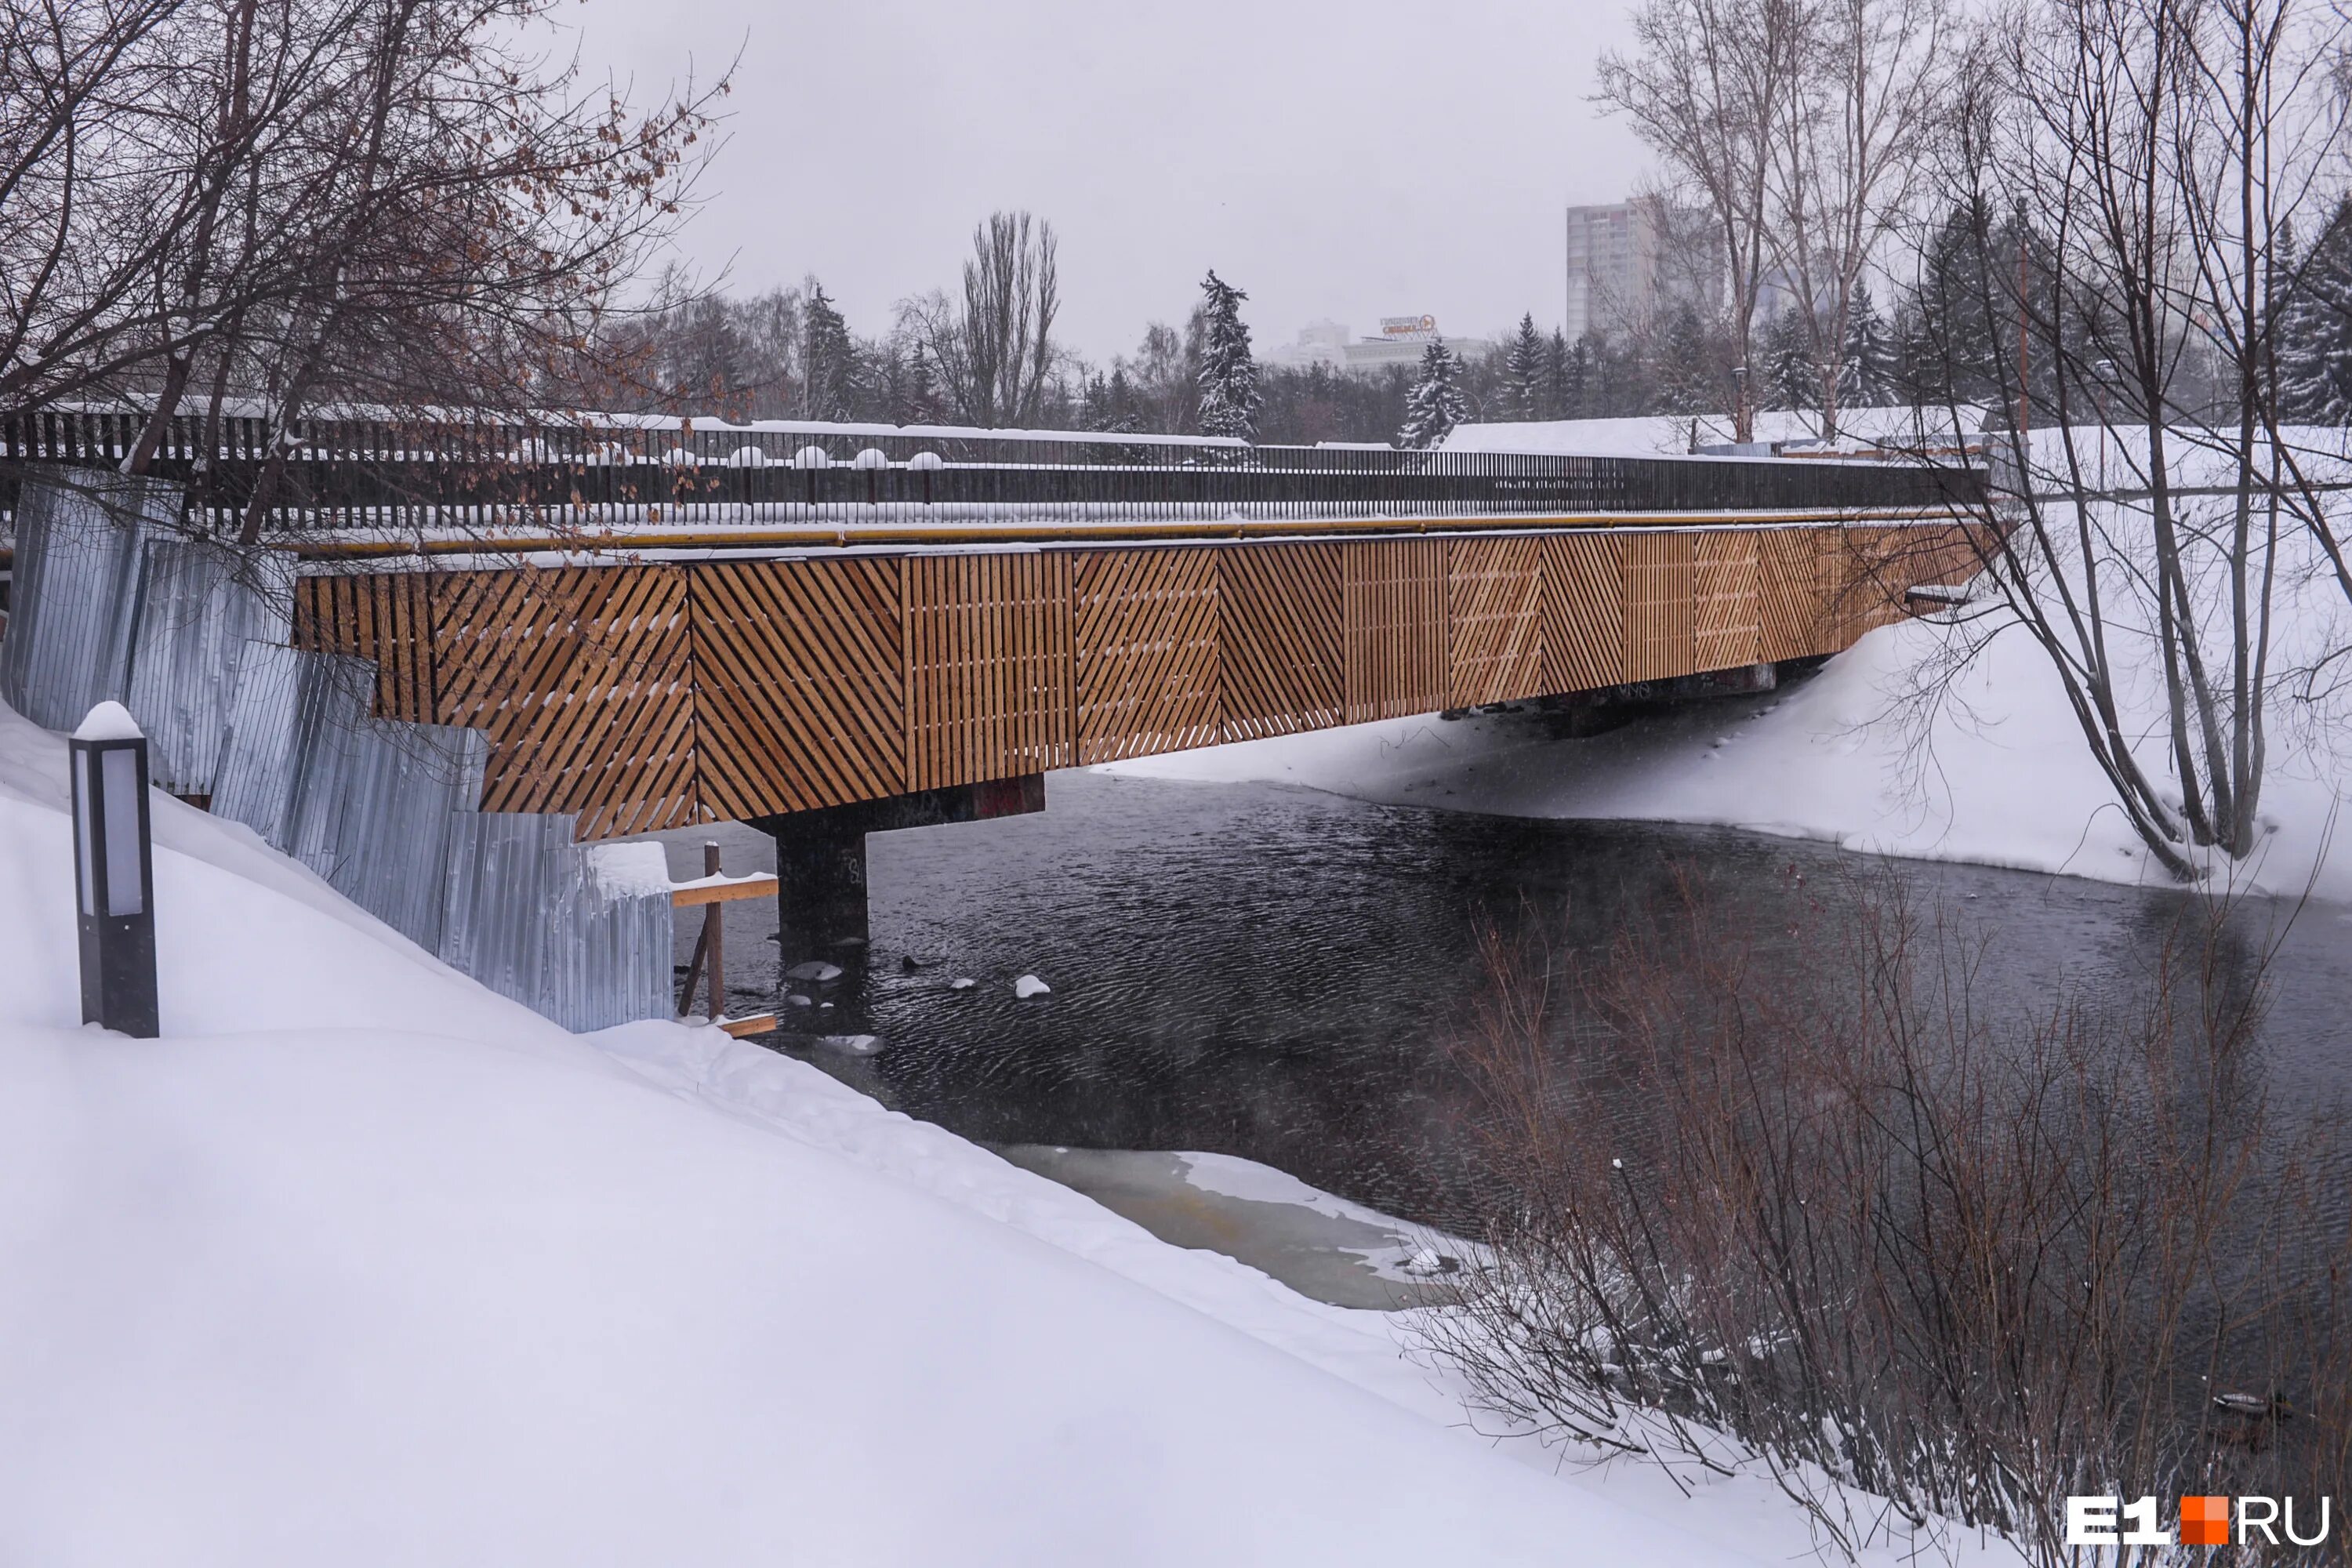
(1494, 620)
(1279, 608)
(642, 696)
(1394, 621)
(1658, 606)
(1862, 569)
(1725, 633)
(1146, 634)
(580, 676)
(990, 682)
(800, 686)
(1792, 608)
(1584, 611)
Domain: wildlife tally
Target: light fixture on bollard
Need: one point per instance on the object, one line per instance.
(114, 865)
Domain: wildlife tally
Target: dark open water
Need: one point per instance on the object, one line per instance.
(1271, 972)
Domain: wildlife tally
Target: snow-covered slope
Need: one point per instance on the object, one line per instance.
(361, 1263)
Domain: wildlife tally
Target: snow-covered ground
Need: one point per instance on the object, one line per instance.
(361, 1264)
(1896, 746)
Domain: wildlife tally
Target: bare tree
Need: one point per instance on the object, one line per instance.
(1712, 86)
(1844, 159)
(82, 230)
(387, 202)
(2156, 157)
(993, 348)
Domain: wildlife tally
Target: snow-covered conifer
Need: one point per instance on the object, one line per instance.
(2316, 330)
(1228, 380)
(828, 359)
(1436, 403)
(1523, 370)
(1786, 350)
(1867, 359)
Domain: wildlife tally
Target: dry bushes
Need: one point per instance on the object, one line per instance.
(1934, 1263)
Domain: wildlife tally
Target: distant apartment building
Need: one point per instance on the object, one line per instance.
(1626, 259)
(1401, 340)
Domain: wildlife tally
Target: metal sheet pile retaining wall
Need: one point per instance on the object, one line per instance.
(111, 603)
(527, 917)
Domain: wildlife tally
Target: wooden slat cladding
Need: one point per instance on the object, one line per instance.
(1793, 617)
(580, 676)
(1279, 614)
(1658, 606)
(1864, 570)
(651, 695)
(1724, 613)
(1584, 611)
(1494, 620)
(1393, 618)
(1145, 640)
(385, 616)
(799, 684)
(989, 680)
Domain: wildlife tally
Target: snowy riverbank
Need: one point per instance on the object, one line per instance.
(363, 1264)
(1991, 768)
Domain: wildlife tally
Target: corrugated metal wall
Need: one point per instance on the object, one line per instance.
(110, 603)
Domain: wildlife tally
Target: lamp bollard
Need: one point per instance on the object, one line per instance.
(114, 864)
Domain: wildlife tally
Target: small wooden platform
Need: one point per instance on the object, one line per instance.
(721, 890)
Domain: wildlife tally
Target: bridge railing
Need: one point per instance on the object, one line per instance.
(365, 474)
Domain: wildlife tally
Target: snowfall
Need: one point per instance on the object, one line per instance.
(361, 1264)
(1944, 737)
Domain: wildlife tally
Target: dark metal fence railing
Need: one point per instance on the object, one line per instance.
(374, 474)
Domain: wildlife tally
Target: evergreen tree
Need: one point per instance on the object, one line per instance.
(1523, 372)
(1685, 368)
(1785, 347)
(918, 401)
(1228, 378)
(1867, 360)
(1107, 404)
(1436, 403)
(828, 359)
(1949, 345)
(1562, 392)
(2314, 331)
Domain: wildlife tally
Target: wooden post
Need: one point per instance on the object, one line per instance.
(714, 938)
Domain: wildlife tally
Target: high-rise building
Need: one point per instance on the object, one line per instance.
(1627, 258)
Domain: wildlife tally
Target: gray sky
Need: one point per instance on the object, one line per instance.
(1345, 160)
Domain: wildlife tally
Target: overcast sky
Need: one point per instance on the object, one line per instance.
(1344, 160)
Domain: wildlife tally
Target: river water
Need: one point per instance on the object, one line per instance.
(1270, 973)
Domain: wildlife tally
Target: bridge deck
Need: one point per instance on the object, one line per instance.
(648, 694)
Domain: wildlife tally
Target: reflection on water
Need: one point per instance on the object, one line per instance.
(1270, 973)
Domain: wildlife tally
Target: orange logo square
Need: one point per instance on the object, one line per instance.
(2204, 1522)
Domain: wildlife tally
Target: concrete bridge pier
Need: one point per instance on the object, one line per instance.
(821, 904)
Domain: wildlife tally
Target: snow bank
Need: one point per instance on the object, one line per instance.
(361, 1264)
